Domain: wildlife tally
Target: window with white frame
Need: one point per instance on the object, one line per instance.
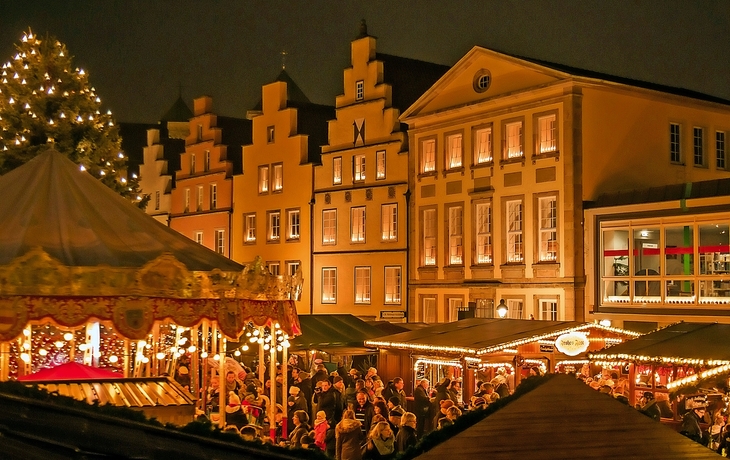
(548, 309)
(380, 165)
(274, 226)
(359, 90)
(720, 152)
(389, 222)
(329, 226)
(220, 242)
(249, 221)
(187, 200)
(358, 168)
(484, 308)
(198, 237)
(428, 314)
(329, 285)
(429, 237)
(199, 198)
(455, 304)
(278, 177)
(514, 308)
(264, 179)
(483, 145)
(393, 285)
(213, 196)
(293, 224)
(206, 160)
(157, 200)
(337, 170)
(428, 155)
(454, 155)
(292, 267)
(484, 233)
(547, 134)
(362, 285)
(274, 268)
(548, 232)
(456, 235)
(357, 224)
(192, 163)
(513, 140)
(514, 232)
(674, 143)
(698, 146)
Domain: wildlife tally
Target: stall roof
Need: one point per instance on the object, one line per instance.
(592, 425)
(323, 332)
(481, 335)
(682, 341)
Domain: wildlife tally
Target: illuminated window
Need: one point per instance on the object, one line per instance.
(329, 285)
(264, 179)
(359, 90)
(199, 199)
(484, 233)
(293, 224)
(720, 150)
(454, 156)
(274, 268)
(274, 225)
(429, 310)
(455, 304)
(514, 308)
(547, 134)
(192, 163)
(250, 228)
(456, 235)
(357, 224)
(548, 235)
(514, 232)
(380, 164)
(278, 179)
(358, 167)
(337, 170)
(362, 285)
(292, 267)
(513, 140)
(548, 309)
(206, 161)
(429, 237)
(483, 145)
(220, 241)
(329, 226)
(393, 285)
(198, 237)
(213, 196)
(428, 155)
(674, 144)
(698, 146)
(389, 222)
(187, 200)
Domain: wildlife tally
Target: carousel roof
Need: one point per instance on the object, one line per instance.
(681, 341)
(50, 204)
(564, 418)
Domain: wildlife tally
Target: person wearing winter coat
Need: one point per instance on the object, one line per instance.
(301, 428)
(381, 443)
(234, 412)
(320, 430)
(348, 435)
(406, 436)
(296, 401)
(364, 411)
(422, 407)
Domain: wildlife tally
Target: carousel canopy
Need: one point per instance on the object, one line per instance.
(480, 335)
(50, 204)
(696, 342)
(564, 418)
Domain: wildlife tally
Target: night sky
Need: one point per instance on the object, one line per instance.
(141, 53)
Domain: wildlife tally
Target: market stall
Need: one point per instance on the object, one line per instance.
(85, 276)
(478, 348)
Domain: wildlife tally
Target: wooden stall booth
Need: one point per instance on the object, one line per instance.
(477, 348)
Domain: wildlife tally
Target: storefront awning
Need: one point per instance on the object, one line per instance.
(334, 333)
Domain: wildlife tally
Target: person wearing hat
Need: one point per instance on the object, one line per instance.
(296, 401)
(182, 376)
(304, 382)
(649, 406)
(234, 412)
(443, 410)
(691, 421)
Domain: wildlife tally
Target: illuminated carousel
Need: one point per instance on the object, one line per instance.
(87, 277)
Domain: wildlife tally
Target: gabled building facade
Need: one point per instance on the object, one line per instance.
(361, 189)
(272, 203)
(202, 200)
(504, 151)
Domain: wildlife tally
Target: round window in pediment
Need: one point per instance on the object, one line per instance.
(482, 80)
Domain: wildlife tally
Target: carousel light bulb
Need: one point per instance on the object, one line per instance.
(237, 353)
(26, 332)
(260, 341)
(160, 355)
(266, 347)
(285, 343)
(279, 348)
(176, 355)
(244, 347)
(180, 351)
(256, 332)
(267, 339)
(253, 339)
(248, 334)
(25, 357)
(68, 336)
(280, 338)
(217, 357)
(276, 325)
(182, 341)
(142, 343)
(58, 344)
(43, 352)
(113, 359)
(204, 354)
(145, 360)
(191, 349)
(83, 347)
(97, 354)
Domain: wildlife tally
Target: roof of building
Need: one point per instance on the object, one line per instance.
(235, 133)
(333, 332)
(50, 204)
(564, 418)
(294, 93)
(178, 112)
(703, 341)
(672, 192)
(312, 120)
(134, 140)
(409, 78)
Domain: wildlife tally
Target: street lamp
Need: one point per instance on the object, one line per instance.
(502, 309)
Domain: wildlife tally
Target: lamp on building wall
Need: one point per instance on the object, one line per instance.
(502, 309)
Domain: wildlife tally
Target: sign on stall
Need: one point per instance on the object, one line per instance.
(572, 343)
(392, 314)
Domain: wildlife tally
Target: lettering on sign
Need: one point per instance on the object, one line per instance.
(392, 314)
(572, 343)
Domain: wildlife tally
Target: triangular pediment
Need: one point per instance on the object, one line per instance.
(507, 75)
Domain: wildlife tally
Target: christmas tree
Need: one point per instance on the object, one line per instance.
(45, 102)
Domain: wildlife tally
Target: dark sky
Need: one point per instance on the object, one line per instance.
(139, 52)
